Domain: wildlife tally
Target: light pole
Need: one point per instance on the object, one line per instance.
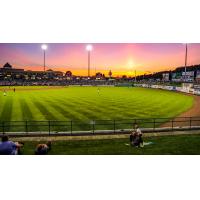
(135, 76)
(89, 49)
(44, 48)
(185, 60)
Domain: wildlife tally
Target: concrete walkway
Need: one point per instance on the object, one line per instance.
(95, 137)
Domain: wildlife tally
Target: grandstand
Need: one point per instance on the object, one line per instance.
(15, 76)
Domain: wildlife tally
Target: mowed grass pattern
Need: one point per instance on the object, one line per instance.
(85, 103)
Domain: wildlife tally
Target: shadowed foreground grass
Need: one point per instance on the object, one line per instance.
(162, 145)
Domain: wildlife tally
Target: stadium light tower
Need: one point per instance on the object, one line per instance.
(44, 48)
(135, 76)
(89, 49)
(185, 60)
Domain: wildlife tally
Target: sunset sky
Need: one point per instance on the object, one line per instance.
(120, 58)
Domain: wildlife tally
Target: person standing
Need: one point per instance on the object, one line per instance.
(4, 92)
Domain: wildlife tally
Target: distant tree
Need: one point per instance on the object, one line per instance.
(68, 74)
(124, 76)
(110, 73)
(99, 75)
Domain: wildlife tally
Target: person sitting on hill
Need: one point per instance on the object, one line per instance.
(132, 137)
(136, 137)
(139, 135)
(8, 147)
(43, 149)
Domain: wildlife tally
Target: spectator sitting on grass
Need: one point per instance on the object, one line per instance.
(43, 149)
(136, 137)
(8, 147)
(139, 135)
(132, 137)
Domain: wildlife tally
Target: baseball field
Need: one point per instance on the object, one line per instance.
(86, 103)
(89, 103)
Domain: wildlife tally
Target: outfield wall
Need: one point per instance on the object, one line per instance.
(98, 85)
(185, 89)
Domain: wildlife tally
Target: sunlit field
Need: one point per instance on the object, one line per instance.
(89, 103)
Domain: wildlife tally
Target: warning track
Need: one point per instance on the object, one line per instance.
(192, 112)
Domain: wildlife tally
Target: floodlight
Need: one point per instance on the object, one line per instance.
(89, 47)
(44, 47)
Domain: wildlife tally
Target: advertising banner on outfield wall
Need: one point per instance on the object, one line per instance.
(186, 88)
(197, 89)
(169, 87)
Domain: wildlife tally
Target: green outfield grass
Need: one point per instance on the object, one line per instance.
(85, 103)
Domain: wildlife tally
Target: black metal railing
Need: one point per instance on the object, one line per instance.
(97, 126)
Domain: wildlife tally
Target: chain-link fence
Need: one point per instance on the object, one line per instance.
(97, 126)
